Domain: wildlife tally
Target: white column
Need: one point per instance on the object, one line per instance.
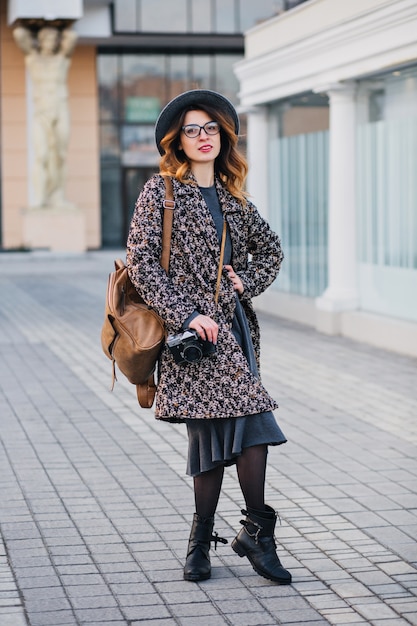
(342, 292)
(257, 155)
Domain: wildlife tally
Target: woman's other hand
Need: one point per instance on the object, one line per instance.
(237, 283)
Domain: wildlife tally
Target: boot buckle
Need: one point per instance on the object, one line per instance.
(254, 535)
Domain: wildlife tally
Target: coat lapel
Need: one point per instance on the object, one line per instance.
(232, 211)
(194, 212)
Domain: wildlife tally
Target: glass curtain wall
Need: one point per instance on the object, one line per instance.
(195, 16)
(110, 157)
(387, 194)
(133, 89)
(299, 191)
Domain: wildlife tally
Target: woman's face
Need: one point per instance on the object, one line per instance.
(204, 148)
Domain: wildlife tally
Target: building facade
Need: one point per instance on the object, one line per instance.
(330, 91)
(327, 92)
(131, 58)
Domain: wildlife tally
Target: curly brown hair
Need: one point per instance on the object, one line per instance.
(230, 165)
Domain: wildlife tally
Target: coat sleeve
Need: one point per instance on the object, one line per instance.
(144, 246)
(266, 255)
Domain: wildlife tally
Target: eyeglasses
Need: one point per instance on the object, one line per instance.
(193, 130)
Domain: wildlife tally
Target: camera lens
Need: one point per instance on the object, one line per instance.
(192, 354)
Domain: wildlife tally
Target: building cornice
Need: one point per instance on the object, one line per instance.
(377, 40)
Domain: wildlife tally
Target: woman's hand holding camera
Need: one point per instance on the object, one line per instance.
(206, 328)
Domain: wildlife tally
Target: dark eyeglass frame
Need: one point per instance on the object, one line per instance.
(193, 127)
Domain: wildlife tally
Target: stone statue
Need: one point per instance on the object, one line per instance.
(48, 57)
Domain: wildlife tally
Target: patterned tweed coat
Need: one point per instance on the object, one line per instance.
(221, 386)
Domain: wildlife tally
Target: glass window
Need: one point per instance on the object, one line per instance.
(109, 143)
(160, 16)
(143, 86)
(225, 16)
(112, 215)
(201, 75)
(201, 16)
(133, 88)
(225, 80)
(308, 113)
(387, 143)
(179, 75)
(197, 16)
(125, 16)
(227, 84)
(138, 145)
(107, 69)
(298, 179)
(376, 105)
(142, 108)
(401, 94)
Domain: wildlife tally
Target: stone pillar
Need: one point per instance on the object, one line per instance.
(50, 221)
(342, 291)
(257, 154)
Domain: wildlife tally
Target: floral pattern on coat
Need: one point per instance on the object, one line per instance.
(220, 386)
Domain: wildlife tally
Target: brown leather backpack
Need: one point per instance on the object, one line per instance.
(133, 334)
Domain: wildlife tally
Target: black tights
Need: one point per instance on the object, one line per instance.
(251, 469)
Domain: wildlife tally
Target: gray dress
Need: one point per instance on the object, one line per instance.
(216, 442)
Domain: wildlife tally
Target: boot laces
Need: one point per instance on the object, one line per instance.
(216, 539)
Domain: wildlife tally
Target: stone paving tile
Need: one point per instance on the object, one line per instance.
(11, 605)
(96, 509)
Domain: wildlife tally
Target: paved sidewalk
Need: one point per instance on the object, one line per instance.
(95, 506)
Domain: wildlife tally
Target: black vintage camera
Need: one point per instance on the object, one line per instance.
(187, 347)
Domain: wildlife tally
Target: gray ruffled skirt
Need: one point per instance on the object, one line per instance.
(220, 441)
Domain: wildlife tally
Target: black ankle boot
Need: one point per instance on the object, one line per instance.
(197, 566)
(256, 541)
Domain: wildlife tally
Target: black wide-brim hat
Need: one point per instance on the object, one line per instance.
(188, 99)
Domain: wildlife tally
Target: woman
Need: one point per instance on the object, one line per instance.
(220, 398)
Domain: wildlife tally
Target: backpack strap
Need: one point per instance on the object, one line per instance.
(146, 393)
(169, 206)
(220, 268)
